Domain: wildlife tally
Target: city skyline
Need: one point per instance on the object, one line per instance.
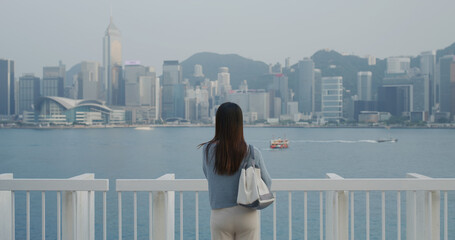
(205, 26)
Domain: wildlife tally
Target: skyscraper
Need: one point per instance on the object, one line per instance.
(7, 103)
(133, 70)
(332, 99)
(280, 85)
(224, 80)
(317, 90)
(427, 67)
(364, 86)
(112, 62)
(29, 92)
(447, 84)
(306, 79)
(53, 81)
(171, 101)
(89, 81)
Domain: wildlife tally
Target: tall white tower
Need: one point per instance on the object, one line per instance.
(112, 62)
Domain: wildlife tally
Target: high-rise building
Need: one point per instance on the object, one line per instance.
(149, 88)
(306, 79)
(415, 89)
(29, 92)
(332, 99)
(171, 100)
(133, 71)
(447, 84)
(89, 82)
(7, 97)
(198, 71)
(112, 63)
(281, 89)
(394, 100)
(427, 67)
(317, 90)
(53, 81)
(364, 86)
(398, 65)
(224, 80)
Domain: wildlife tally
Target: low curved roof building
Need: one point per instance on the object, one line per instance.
(59, 110)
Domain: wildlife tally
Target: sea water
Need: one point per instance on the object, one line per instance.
(127, 153)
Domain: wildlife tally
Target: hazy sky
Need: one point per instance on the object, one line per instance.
(38, 33)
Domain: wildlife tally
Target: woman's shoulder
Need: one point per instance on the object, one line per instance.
(256, 151)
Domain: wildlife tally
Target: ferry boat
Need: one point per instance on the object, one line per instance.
(279, 143)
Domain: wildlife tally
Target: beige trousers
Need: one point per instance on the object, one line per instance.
(234, 223)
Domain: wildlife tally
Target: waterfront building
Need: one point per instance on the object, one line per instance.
(306, 79)
(66, 111)
(224, 81)
(53, 80)
(172, 77)
(398, 65)
(29, 92)
(332, 99)
(447, 84)
(361, 106)
(112, 63)
(7, 90)
(364, 86)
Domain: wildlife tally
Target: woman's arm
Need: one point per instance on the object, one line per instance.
(204, 161)
(264, 173)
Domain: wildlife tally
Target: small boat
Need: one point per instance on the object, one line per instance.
(279, 143)
(387, 140)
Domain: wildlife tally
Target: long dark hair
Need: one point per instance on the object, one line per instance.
(230, 146)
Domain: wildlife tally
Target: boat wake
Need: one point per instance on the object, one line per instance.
(324, 141)
(335, 141)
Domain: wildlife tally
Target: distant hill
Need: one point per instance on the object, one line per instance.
(330, 62)
(240, 68)
(450, 50)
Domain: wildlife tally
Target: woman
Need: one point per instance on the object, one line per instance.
(222, 158)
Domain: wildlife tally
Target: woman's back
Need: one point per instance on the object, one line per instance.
(223, 189)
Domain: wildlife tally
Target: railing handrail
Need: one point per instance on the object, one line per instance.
(353, 184)
(54, 184)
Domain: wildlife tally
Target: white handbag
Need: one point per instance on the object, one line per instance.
(253, 192)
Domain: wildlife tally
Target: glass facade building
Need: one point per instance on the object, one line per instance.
(332, 99)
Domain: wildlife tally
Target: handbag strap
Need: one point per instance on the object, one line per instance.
(250, 156)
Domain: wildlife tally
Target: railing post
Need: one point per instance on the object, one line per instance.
(163, 212)
(6, 224)
(422, 213)
(82, 219)
(337, 213)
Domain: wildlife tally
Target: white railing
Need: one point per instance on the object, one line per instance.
(75, 205)
(422, 204)
(425, 197)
